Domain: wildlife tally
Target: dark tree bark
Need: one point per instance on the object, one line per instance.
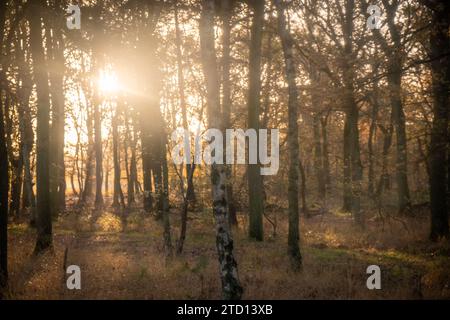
(89, 168)
(352, 159)
(16, 183)
(107, 169)
(440, 70)
(98, 152)
(293, 143)
(325, 153)
(155, 162)
(231, 288)
(118, 198)
(25, 126)
(347, 171)
(184, 214)
(131, 169)
(385, 178)
(55, 51)
(255, 186)
(190, 192)
(26, 143)
(395, 56)
(44, 220)
(16, 161)
(316, 102)
(146, 167)
(76, 168)
(303, 188)
(98, 62)
(404, 201)
(372, 133)
(318, 159)
(189, 197)
(4, 184)
(4, 176)
(227, 9)
(165, 195)
(133, 161)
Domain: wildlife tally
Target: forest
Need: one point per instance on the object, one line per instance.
(224, 149)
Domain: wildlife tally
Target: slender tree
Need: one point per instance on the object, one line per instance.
(293, 144)
(395, 57)
(190, 192)
(89, 163)
(55, 51)
(352, 158)
(98, 152)
(4, 176)
(44, 220)
(231, 288)
(255, 186)
(25, 125)
(118, 198)
(440, 69)
(227, 10)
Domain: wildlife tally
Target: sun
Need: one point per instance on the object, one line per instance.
(108, 81)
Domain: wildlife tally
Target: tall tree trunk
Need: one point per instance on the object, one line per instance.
(16, 184)
(356, 166)
(165, 195)
(184, 213)
(372, 133)
(231, 288)
(293, 143)
(385, 178)
(347, 171)
(44, 220)
(190, 192)
(4, 176)
(318, 160)
(55, 50)
(156, 167)
(133, 161)
(118, 198)
(26, 132)
(98, 152)
(227, 9)
(255, 186)
(440, 69)
(87, 189)
(107, 169)
(76, 163)
(352, 157)
(4, 182)
(325, 153)
(146, 108)
(404, 201)
(395, 54)
(146, 168)
(131, 173)
(303, 188)
(72, 182)
(26, 135)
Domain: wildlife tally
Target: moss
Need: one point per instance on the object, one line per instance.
(327, 254)
(21, 228)
(340, 213)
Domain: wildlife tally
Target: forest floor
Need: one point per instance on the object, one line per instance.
(127, 261)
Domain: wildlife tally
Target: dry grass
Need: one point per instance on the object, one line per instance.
(128, 262)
